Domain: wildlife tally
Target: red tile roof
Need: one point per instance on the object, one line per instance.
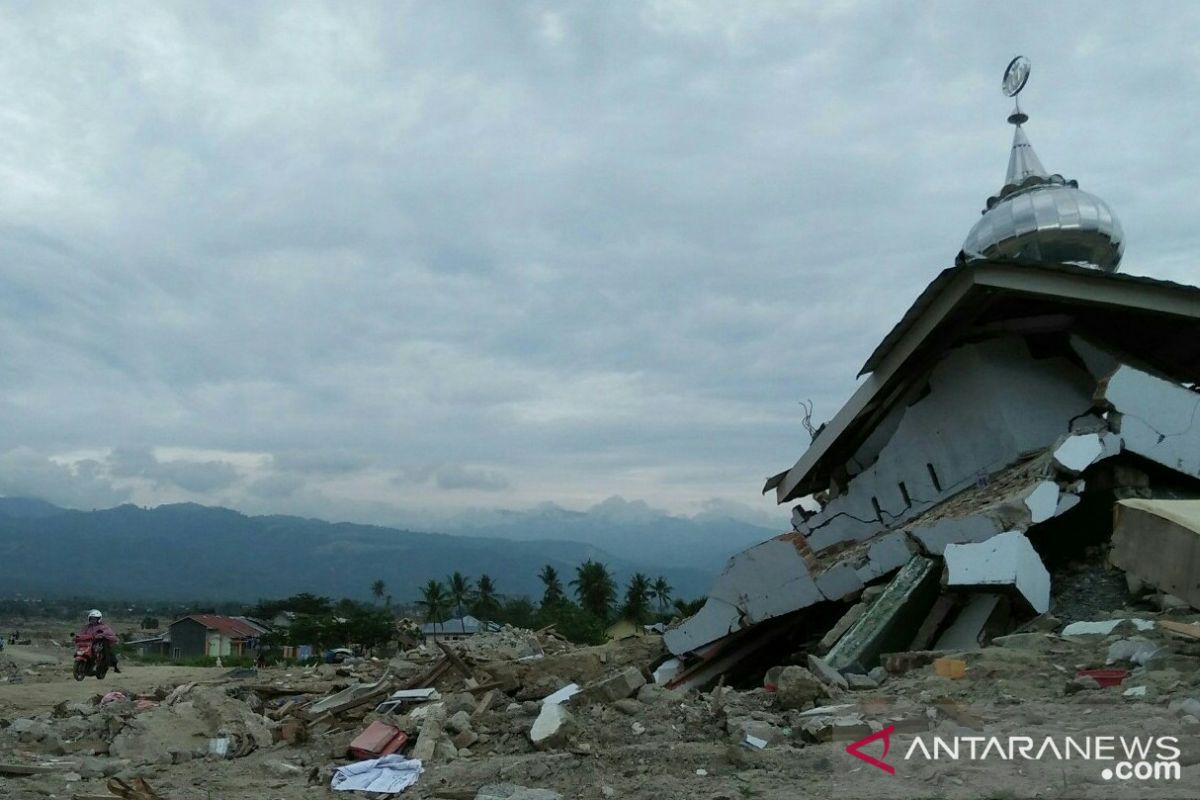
(230, 626)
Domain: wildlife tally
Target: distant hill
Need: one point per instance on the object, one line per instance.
(704, 542)
(188, 551)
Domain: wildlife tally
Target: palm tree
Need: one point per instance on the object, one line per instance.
(661, 591)
(461, 591)
(434, 600)
(595, 588)
(379, 589)
(686, 608)
(486, 599)
(554, 590)
(637, 599)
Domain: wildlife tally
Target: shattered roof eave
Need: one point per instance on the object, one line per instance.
(970, 287)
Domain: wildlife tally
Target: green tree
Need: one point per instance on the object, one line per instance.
(661, 592)
(595, 589)
(686, 608)
(518, 612)
(578, 625)
(378, 589)
(461, 592)
(434, 601)
(487, 602)
(554, 588)
(370, 627)
(637, 599)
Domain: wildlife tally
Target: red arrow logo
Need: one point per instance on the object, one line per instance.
(855, 749)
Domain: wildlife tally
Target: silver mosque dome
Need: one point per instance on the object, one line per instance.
(1042, 217)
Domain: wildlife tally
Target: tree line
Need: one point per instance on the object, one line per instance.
(597, 601)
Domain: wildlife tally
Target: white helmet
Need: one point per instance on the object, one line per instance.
(95, 614)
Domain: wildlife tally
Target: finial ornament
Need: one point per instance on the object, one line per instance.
(1016, 75)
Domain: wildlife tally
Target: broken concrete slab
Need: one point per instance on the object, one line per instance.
(886, 554)
(889, 623)
(1007, 559)
(1158, 541)
(964, 632)
(840, 627)
(1147, 406)
(766, 581)
(975, 528)
(839, 581)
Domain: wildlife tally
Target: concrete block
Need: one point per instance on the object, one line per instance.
(552, 728)
(975, 528)
(1158, 541)
(1007, 559)
(840, 580)
(614, 687)
(797, 688)
(889, 623)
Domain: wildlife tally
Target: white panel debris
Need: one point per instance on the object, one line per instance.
(1079, 452)
(1042, 502)
(1007, 559)
(1066, 502)
(1157, 418)
(1104, 627)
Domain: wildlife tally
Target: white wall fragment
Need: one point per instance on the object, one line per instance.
(1078, 452)
(1042, 502)
(1007, 559)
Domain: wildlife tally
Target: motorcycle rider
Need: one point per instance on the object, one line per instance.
(96, 627)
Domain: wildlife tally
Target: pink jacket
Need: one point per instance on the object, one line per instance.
(99, 629)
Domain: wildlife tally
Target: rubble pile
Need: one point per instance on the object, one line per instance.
(450, 721)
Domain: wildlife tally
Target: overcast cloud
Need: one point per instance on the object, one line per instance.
(349, 259)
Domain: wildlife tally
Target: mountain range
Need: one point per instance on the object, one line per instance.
(190, 552)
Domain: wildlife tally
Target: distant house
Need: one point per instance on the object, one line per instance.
(458, 628)
(627, 629)
(159, 645)
(214, 635)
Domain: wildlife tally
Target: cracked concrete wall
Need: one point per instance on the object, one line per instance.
(768, 580)
(987, 405)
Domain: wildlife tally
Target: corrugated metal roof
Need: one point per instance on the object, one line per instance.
(231, 626)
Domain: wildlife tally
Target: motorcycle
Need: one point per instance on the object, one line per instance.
(91, 656)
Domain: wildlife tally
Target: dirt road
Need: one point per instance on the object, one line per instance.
(28, 698)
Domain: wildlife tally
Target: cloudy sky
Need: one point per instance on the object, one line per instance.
(355, 259)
